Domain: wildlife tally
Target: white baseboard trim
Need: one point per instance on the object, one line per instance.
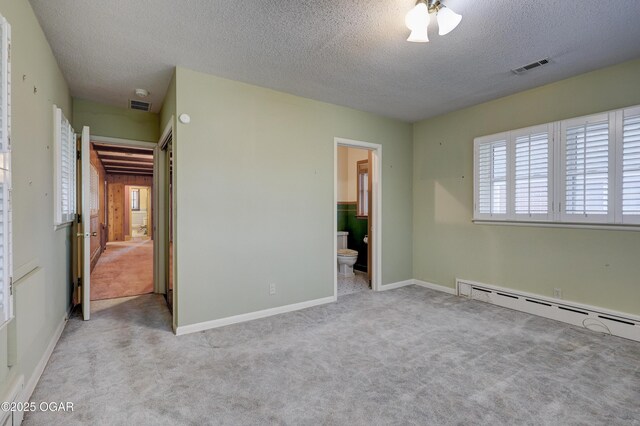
(398, 284)
(436, 287)
(35, 377)
(207, 325)
(590, 317)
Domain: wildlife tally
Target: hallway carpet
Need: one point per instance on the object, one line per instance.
(124, 269)
(409, 356)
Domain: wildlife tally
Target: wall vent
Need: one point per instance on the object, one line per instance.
(139, 105)
(589, 317)
(530, 66)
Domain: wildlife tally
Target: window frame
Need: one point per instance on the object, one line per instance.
(511, 148)
(362, 196)
(137, 199)
(628, 219)
(61, 217)
(7, 312)
(608, 217)
(557, 179)
(478, 142)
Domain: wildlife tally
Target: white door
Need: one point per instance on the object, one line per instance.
(85, 211)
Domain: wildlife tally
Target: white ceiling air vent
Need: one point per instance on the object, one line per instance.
(530, 66)
(139, 105)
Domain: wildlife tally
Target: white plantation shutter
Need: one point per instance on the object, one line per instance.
(532, 150)
(584, 170)
(491, 177)
(6, 303)
(65, 151)
(629, 156)
(586, 165)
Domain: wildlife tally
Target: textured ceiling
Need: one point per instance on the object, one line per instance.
(347, 52)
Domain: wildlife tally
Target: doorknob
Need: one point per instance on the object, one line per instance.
(82, 234)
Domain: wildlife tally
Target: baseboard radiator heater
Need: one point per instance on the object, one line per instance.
(589, 317)
(12, 394)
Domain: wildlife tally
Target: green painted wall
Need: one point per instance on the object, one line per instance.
(597, 267)
(169, 105)
(256, 169)
(41, 254)
(107, 120)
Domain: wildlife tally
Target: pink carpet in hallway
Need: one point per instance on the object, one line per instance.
(124, 269)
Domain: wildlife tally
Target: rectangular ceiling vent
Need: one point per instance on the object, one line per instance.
(140, 105)
(530, 66)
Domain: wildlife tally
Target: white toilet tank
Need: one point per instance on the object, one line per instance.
(342, 239)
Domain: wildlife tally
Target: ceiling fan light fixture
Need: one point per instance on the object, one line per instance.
(417, 20)
(419, 36)
(448, 20)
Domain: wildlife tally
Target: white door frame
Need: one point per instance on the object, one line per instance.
(161, 182)
(376, 226)
(158, 286)
(85, 210)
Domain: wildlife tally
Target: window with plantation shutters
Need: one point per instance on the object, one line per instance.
(629, 157)
(491, 177)
(65, 170)
(587, 153)
(578, 172)
(532, 172)
(6, 302)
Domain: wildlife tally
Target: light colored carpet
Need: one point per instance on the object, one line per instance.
(124, 269)
(406, 356)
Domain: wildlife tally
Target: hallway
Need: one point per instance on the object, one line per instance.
(124, 269)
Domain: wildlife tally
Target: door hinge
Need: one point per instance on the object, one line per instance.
(79, 218)
(79, 282)
(10, 286)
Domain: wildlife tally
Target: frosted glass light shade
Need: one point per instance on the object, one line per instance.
(419, 36)
(448, 20)
(417, 20)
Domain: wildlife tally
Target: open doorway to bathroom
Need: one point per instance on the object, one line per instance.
(356, 196)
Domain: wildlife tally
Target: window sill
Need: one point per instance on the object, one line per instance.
(607, 227)
(62, 226)
(7, 322)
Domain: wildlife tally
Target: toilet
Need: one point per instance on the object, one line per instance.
(346, 257)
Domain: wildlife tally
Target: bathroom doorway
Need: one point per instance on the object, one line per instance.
(357, 224)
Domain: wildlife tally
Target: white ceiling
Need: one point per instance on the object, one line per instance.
(347, 52)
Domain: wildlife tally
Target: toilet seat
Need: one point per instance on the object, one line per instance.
(347, 253)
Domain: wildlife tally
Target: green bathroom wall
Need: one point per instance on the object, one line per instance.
(115, 122)
(256, 168)
(597, 267)
(41, 254)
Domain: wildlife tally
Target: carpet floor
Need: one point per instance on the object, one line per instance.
(409, 356)
(124, 269)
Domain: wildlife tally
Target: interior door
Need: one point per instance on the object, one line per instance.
(370, 215)
(84, 230)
